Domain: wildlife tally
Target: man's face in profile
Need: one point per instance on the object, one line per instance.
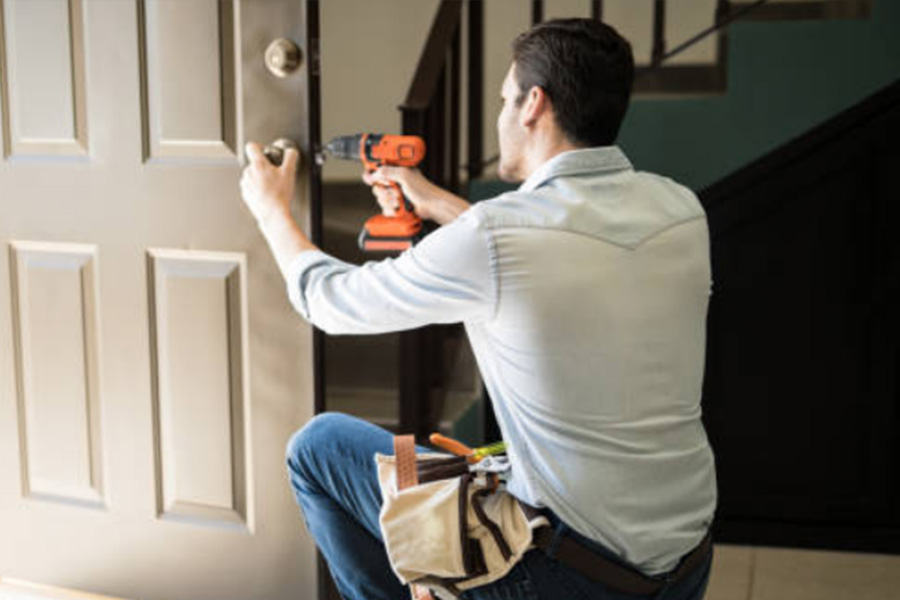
(510, 133)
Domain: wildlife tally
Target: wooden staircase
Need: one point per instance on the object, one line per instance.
(680, 50)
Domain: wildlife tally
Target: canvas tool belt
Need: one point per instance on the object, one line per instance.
(446, 528)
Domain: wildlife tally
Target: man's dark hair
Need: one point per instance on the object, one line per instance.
(586, 69)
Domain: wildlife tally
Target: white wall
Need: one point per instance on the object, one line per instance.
(369, 51)
(503, 21)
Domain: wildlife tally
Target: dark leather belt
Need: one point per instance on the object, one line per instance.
(598, 568)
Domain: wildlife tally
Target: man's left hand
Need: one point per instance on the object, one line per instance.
(266, 189)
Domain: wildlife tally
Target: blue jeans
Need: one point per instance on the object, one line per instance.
(332, 472)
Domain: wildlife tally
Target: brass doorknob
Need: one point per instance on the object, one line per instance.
(283, 57)
(275, 151)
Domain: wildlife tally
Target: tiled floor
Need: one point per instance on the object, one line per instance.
(747, 573)
(739, 573)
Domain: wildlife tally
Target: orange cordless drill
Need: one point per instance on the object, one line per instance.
(380, 232)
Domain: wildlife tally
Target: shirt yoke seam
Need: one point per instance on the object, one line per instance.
(603, 239)
(670, 226)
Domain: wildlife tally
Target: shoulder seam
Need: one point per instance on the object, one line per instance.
(495, 271)
(481, 223)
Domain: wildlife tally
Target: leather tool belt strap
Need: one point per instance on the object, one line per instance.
(407, 476)
(598, 568)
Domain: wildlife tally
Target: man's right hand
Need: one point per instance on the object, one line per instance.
(428, 200)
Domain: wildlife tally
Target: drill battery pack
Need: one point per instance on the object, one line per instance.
(388, 234)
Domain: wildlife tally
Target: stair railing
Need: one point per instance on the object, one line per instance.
(432, 110)
(725, 15)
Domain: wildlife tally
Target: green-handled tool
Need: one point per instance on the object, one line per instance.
(490, 450)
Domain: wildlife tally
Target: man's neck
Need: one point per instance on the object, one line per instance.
(546, 150)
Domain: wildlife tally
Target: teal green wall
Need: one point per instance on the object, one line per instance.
(783, 79)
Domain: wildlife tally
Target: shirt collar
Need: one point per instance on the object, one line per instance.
(577, 162)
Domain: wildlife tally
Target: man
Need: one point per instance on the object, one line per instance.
(584, 296)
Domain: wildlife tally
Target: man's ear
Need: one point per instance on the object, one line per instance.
(536, 103)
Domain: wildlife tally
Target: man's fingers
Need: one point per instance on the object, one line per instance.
(386, 193)
(376, 177)
(388, 173)
(387, 199)
(291, 160)
(255, 154)
(380, 176)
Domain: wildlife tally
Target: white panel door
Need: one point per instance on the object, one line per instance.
(151, 369)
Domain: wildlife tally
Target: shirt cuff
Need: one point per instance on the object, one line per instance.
(297, 278)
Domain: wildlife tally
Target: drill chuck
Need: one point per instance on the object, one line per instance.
(345, 147)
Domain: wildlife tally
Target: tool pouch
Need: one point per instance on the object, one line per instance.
(446, 528)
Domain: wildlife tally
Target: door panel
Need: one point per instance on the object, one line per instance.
(46, 77)
(198, 317)
(151, 367)
(190, 109)
(55, 323)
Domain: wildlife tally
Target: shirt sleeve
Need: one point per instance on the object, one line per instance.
(447, 278)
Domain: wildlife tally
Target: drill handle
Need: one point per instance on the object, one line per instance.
(405, 207)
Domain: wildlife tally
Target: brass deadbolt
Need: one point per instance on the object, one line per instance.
(283, 57)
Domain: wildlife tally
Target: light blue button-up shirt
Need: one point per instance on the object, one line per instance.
(584, 296)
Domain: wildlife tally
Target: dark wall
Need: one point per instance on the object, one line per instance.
(801, 391)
